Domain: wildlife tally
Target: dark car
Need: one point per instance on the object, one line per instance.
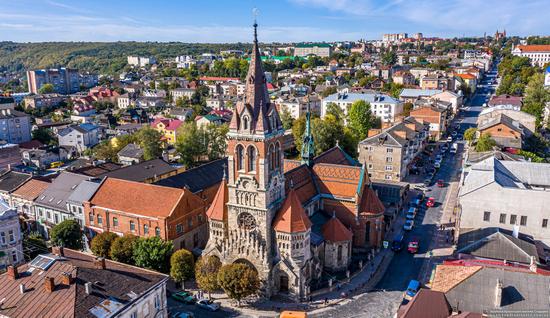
(397, 244)
(440, 183)
(183, 297)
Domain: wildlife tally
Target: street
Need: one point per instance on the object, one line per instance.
(385, 299)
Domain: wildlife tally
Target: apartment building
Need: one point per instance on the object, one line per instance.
(15, 126)
(437, 81)
(141, 61)
(318, 49)
(43, 101)
(538, 54)
(81, 137)
(389, 153)
(437, 117)
(64, 80)
(382, 106)
(11, 240)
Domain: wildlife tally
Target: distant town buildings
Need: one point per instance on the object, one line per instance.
(538, 54)
(64, 80)
(395, 37)
(382, 106)
(141, 61)
(15, 126)
(11, 247)
(318, 49)
(81, 137)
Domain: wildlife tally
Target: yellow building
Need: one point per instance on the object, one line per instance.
(168, 128)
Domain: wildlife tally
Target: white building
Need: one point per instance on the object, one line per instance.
(185, 93)
(538, 54)
(505, 194)
(81, 137)
(297, 106)
(141, 61)
(11, 241)
(381, 105)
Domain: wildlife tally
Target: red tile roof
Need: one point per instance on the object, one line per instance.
(219, 78)
(218, 210)
(144, 199)
(370, 203)
(335, 231)
(292, 218)
(170, 124)
(31, 189)
(534, 48)
(337, 180)
(466, 76)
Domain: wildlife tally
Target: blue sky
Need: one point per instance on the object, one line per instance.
(280, 20)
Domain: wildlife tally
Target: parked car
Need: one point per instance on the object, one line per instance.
(408, 226)
(449, 139)
(183, 315)
(454, 133)
(437, 164)
(427, 182)
(431, 202)
(397, 243)
(412, 289)
(184, 297)
(440, 183)
(413, 246)
(454, 148)
(208, 304)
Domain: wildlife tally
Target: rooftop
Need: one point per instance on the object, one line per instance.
(11, 180)
(141, 171)
(416, 92)
(370, 98)
(58, 192)
(198, 178)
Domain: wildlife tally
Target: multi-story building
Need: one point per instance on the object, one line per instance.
(437, 81)
(538, 54)
(23, 198)
(73, 284)
(389, 153)
(43, 101)
(437, 117)
(141, 61)
(184, 93)
(11, 240)
(298, 106)
(394, 37)
(382, 106)
(15, 126)
(64, 80)
(403, 78)
(81, 137)
(318, 49)
(10, 155)
(7, 103)
(507, 194)
(168, 128)
(10, 181)
(148, 210)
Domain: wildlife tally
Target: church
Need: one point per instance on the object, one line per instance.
(290, 220)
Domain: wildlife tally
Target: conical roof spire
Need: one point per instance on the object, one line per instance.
(308, 147)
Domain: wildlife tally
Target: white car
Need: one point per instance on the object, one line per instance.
(438, 158)
(449, 139)
(437, 164)
(208, 304)
(408, 226)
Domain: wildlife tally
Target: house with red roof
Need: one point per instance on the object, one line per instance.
(168, 127)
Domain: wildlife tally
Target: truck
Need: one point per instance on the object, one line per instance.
(454, 148)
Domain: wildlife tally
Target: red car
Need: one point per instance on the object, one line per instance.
(440, 183)
(413, 246)
(430, 203)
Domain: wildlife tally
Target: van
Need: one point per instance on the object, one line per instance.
(293, 314)
(454, 148)
(397, 243)
(412, 289)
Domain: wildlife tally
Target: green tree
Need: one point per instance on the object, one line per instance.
(206, 273)
(470, 134)
(153, 253)
(360, 118)
(67, 234)
(150, 141)
(44, 135)
(407, 107)
(122, 249)
(389, 58)
(238, 281)
(216, 138)
(298, 128)
(485, 143)
(33, 245)
(46, 89)
(101, 243)
(536, 97)
(182, 266)
(329, 91)
(337, 112)
(286, 118)
(327, 133)
(191, 143)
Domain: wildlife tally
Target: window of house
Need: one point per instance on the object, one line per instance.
(200, 218)
(3, 237)
(91, 218)
(157, 231)
(339, 253)
(502, 219)
(389, 150)
(513, 218)
(11, 236)
(179, 228)
(486, 216)
(389, 159)
(544, 223)
(189, 222)
(387, 177)
(240, 157)
(49, 215)
(56, 217)
(132, 226)
(99, 220)
(14, 256)
(370, 166)
(115, 222)
(523, 220)
(145, 229)
(389, 168)
(251, 158)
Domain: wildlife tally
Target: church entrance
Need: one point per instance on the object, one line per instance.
(283, 283)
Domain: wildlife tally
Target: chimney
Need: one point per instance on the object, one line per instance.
(22, 288)
(99, 263)
(58, 250)
(66, 279)
(498, 294)
(12, 272)
(49, 284)
(88, 286)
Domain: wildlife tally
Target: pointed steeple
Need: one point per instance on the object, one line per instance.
(308, 147)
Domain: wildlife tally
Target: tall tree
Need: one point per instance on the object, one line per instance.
(191, 143)
(153, 253)
(536, 97)
(150, 141)
(182, 266)
(122, 249)
(286, 118)
(67, 234)
(360, 118)
(216, 137)
(470, 134)
(101, 243)
(485, 143)
(337, 112)
(238, 281)
(327, 133)
(33, 245)
(206, 273)
(298, 128)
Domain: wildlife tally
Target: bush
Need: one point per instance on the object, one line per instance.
(101, 244)
(67, 234)
(238, 281)
(122, 249)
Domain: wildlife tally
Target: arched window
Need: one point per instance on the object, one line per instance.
(251, 158)
(271, 157)
(115, 222)
(145, 229)
(157, 231)
(91, 217)
(245, 122)
(240, 157)
(277, 155)
(99, 219)
(339, 253)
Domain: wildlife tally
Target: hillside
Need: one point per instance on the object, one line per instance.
(102, 57)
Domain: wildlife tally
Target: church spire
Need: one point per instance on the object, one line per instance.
(308, 147)
(256, 90)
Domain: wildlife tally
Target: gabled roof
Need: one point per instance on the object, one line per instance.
(534, 48)
(337, 180)
(501, 119)
(131, 151)
(198, 178)
(426, 303)
(335, 231)
(370, 203)
(218, 209)
(335, 155)
(446, 277)
(58, 192)
(30, 189)
(169, 123)
(143, 199)
(141, 171)
(292, 218)
(11, 180)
